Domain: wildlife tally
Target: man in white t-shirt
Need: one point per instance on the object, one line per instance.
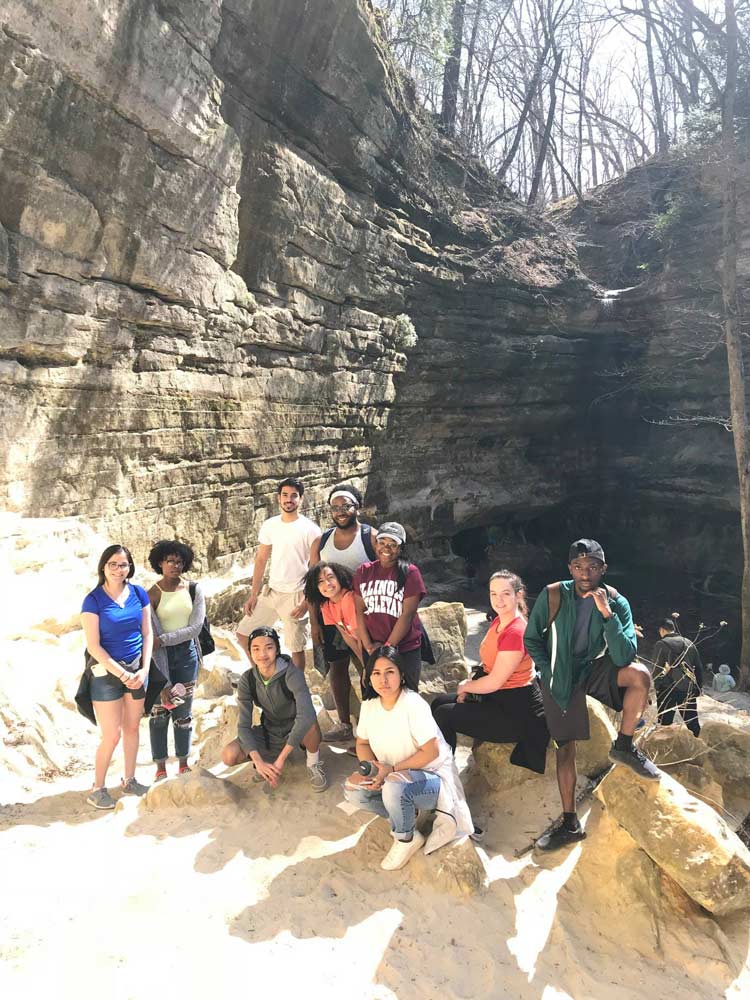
(286, 540)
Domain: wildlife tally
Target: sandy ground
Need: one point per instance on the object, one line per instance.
(278, 890)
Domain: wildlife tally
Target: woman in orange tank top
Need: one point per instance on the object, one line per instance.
(502, 703)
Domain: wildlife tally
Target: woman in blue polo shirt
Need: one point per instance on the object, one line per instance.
(116, 620)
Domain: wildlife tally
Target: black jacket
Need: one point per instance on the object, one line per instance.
(677, 664)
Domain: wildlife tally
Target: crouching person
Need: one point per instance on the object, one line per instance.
(411, 765)
(287, 718)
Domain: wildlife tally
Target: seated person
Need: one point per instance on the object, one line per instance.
(509, 708)
(287, 717)
(328, 592)
(413, 766)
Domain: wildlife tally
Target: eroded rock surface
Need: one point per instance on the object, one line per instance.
(684, 836)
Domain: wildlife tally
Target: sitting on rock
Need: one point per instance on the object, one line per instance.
(411, 765)
(723, 681)
(178, 609)
(581, 637)
(502, 703)
(678, 677)
(328, 591)
(287, 718)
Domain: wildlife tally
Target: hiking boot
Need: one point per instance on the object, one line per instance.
(401, 851)
(340, 733)
(637, 761)
(133, 787)
(100, 798)
(560, 836)
(318, 778)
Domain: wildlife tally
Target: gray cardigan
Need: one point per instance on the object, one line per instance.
(190, 632)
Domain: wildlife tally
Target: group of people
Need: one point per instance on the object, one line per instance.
(358, 591)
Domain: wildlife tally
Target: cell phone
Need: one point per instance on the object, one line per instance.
(176, 700)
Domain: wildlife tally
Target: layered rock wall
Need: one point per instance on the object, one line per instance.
(213, 216)
(218, 222)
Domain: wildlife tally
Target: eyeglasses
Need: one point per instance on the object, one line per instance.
(175, 561)
(115, 565)
(343, 508)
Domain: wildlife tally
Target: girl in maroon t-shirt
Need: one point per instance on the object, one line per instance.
(387, 593)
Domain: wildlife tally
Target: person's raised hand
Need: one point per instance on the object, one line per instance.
(601, 599)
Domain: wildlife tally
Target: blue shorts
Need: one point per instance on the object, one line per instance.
(111, 688)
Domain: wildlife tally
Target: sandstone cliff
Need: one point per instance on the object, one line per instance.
(214, 215)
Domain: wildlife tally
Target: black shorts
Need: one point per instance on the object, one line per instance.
(573, 723)
(334, 645)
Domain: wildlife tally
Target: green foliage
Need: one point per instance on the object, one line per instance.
(664, 225)
(702, 127)
(404, 334)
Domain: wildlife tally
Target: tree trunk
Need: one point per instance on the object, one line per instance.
(453, 68)
(468, 73)
(737, 392)
(544, 145)
(662, 139)
(528, 101)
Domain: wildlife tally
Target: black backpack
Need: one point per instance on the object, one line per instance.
(205, 639)
(365, 532)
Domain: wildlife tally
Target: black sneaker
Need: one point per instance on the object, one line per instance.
(560, 836)
(637, 761)
(478, 835)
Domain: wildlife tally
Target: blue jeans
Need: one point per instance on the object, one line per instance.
(399, 800)
(183, 669)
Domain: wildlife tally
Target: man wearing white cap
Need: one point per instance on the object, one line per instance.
(348, 543)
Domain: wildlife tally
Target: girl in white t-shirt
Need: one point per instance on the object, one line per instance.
(414, 766)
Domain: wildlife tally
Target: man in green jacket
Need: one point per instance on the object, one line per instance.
(582, 640)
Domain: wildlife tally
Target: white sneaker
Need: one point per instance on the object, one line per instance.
(318, 778)
(401, 851)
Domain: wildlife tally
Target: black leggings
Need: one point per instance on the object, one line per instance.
(668, 701)
(512, 716)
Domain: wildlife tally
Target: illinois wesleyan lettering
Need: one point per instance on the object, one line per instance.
(383, 597)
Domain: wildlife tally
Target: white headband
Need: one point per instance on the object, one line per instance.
(344, 493)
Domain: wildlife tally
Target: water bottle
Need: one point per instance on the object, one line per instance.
(368, 769)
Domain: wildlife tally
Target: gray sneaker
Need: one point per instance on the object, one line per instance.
(100, 798)
(637, 761)
(340, 733)
(318, 778)
(133, 787)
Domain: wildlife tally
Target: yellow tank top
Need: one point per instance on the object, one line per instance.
(174, 609)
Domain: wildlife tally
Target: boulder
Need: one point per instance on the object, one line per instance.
(684, 836)
(225, 606)
(214, 683)
(491, 771)
(447, 628)
(456, 868)
(729, 751)
(592, 754)
(215, 728)
(197, 788)
(670, 745)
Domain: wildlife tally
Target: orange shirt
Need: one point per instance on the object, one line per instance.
(507, 640)
(342, 613)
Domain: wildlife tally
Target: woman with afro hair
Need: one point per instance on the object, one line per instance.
(178, 609)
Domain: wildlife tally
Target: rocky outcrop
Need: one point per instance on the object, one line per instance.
(221, 223)
(445, 624)
(198, 788)
(684, 836)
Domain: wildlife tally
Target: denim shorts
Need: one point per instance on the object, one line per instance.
(111, 688)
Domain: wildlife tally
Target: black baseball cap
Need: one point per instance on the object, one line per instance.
(586, 547)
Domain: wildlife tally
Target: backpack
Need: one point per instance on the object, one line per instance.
(205, 639)
(554, 598)
(254, 689)
(365, 533)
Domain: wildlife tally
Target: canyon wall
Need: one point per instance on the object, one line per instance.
(220, 223)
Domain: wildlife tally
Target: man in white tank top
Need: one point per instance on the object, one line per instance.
(350, 544)
(347, 543)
